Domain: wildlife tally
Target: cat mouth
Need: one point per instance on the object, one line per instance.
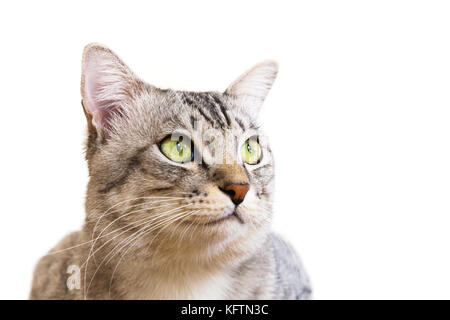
(233, 215)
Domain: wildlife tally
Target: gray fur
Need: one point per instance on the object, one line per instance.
(188, 252)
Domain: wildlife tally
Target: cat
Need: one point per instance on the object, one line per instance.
(179, 198)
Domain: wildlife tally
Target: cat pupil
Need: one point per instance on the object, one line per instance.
(249, 148)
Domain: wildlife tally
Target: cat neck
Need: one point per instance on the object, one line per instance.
(175, 282)
(158, 271)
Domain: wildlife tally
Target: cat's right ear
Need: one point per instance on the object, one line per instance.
(106, 87)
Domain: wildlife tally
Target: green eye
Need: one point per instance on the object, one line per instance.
(251, 151)
(177, 150)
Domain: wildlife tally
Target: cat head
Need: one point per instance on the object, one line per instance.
(184, 172)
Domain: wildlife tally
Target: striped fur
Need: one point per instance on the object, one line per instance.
(214, 249)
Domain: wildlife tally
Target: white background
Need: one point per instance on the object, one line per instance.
(359, 120)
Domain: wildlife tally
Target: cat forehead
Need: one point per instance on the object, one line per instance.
(206, 109)
(210, 107)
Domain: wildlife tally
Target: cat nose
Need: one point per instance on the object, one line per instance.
(236, 191)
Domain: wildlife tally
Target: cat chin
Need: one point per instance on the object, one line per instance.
(232, 214)
(229, 217)
(228, 232)
(208, 234)
(229, 243)
(222, 220)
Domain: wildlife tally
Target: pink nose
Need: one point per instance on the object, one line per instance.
(236, 191)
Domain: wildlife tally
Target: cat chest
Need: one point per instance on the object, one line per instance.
(215, 286)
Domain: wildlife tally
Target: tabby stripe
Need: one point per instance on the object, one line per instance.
(214, 100)
(191, 103)
(207, 101)
(240, 123)
(193, 120)
(266, 166)
(223, 109)
(133, 162)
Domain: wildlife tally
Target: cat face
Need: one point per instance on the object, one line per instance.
(184, 171)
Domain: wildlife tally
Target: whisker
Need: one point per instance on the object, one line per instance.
(183, 215)
(127, 214)
(156, 249)
(94, 241)
(106, 234)
(194, 229)
(132, 199)
(87, 261)
(127, 240)
(188, 226)
(92, 253)
(145, 229)
(151, 218)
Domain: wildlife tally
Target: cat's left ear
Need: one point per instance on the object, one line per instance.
(253, 85)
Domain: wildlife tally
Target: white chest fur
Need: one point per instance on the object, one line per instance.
(210, 286)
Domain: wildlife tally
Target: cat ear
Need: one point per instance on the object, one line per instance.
(106, 86)
(254, 84)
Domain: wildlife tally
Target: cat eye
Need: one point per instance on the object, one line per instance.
(251, 151)
(178, 149)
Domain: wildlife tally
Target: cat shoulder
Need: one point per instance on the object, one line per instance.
(292, 279)
(53, 269)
